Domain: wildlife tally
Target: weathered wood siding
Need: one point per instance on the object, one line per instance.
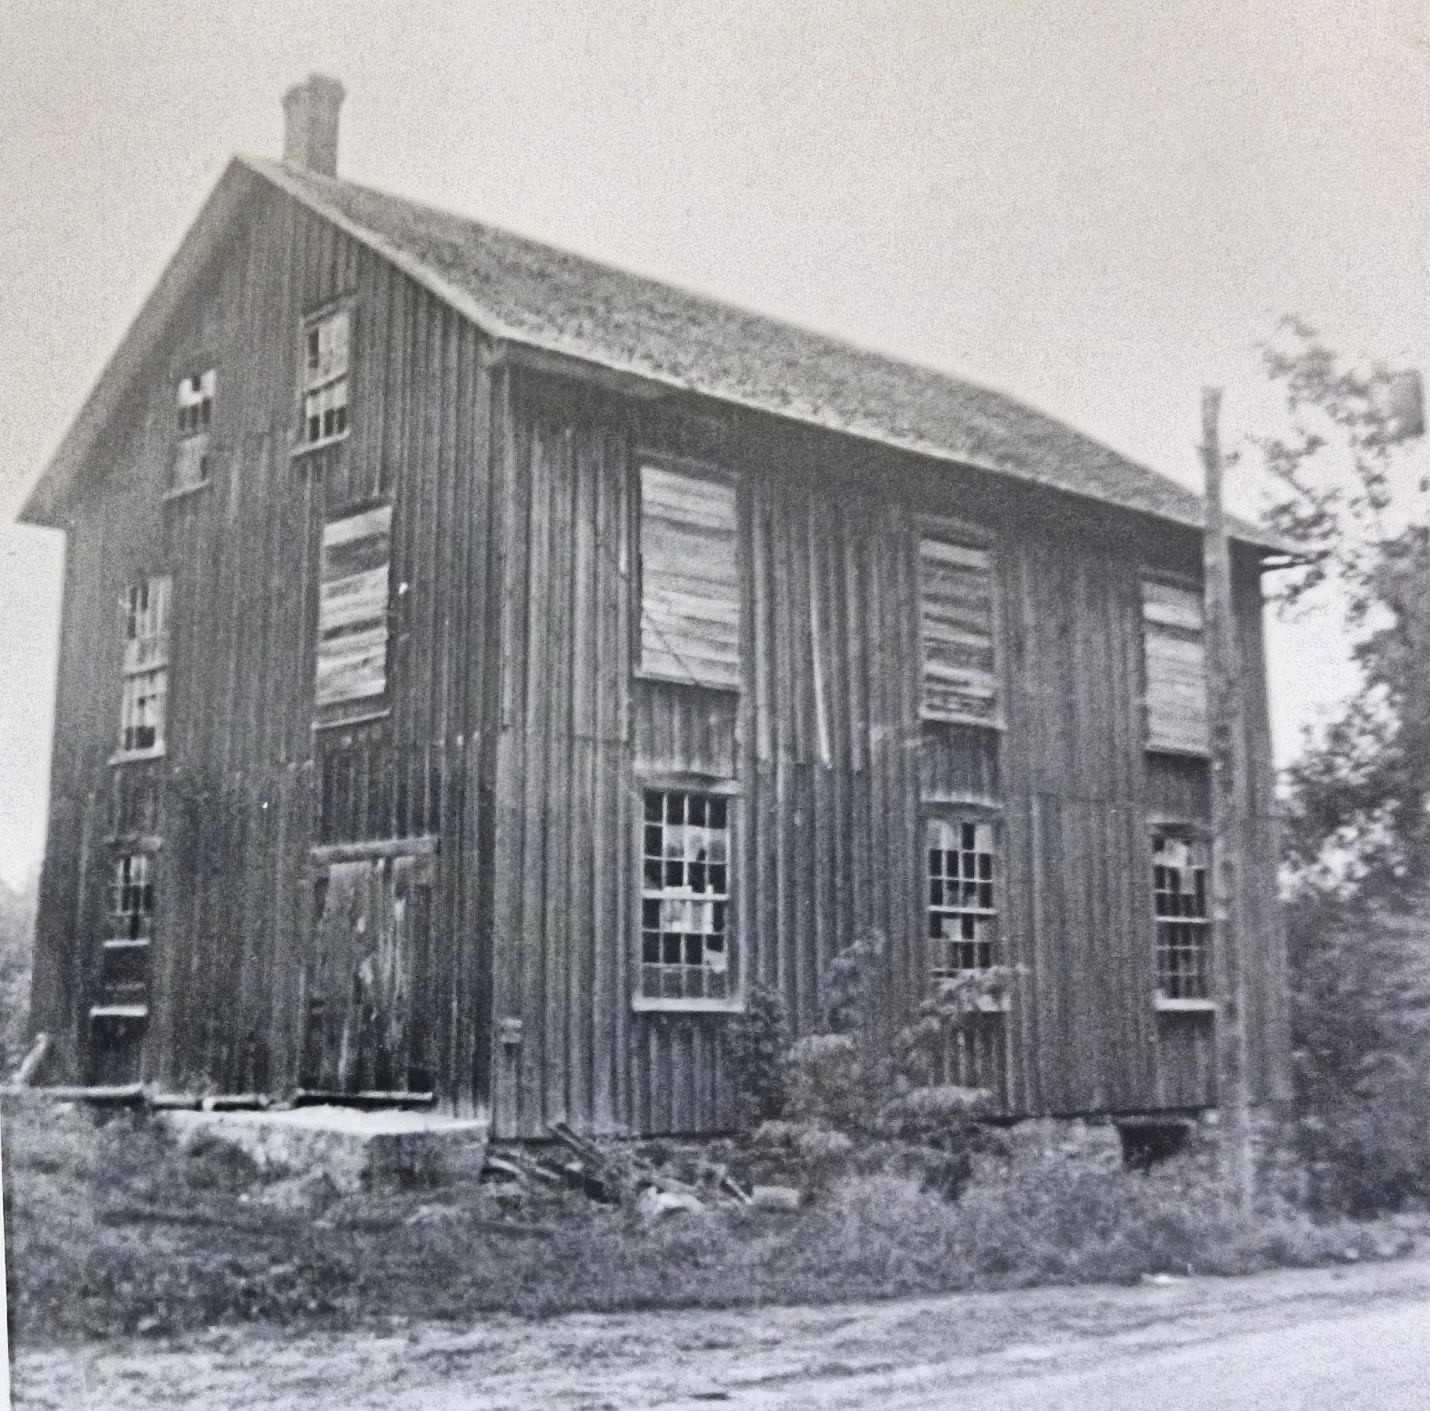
(514, 732)
(834, 767)
(247, 787)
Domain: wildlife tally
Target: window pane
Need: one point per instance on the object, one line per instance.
(1179, 904)
(685, 948)
(962, 891)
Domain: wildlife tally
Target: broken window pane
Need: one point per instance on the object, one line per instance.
(685, 949)
(145, 611)
(325, 379)
(1179, 896)
(962, 911)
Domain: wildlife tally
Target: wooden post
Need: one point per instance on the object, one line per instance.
(1228, 805)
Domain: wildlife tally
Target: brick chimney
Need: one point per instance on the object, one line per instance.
(310, 124)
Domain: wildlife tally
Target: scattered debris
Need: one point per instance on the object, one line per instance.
(30, 1064)
(653, 1203)
(775, 1197)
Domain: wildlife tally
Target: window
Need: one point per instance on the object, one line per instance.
(124, 959)
(1179, 888)
(690, 582)
(1175, 658)
(325, 379)
(145, 610)
(962, 900)
(686, 944)
(195, 401)
(352, 607)
(956, 628)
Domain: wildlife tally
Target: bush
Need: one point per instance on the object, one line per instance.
(755, 1045)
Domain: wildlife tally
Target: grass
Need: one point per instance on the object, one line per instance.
(113, 1230)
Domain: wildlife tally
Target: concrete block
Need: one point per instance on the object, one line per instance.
(354, 1149)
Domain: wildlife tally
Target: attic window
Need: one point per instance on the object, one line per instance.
(194, 412)
(956, 627)
(144, 609)
(352, 608)
(690, 581)
(1174, 653)
(325, 378)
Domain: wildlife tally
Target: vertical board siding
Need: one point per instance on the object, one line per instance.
(513, 729)
(247, 787)
(832, 765)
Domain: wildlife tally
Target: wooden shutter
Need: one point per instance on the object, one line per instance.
(352, 607)
(956, 625)
(690, 581)
(1175, 656)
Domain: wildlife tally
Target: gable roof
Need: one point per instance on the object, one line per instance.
(531, 294)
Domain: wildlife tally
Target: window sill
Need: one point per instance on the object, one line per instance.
(1166, 1004)
(136, 756)
(930, 718)
(304, 447)
(183, 492)
(724, 688)
(119, 1011)
(1179, 751)
(647, 1004)
(348, 722)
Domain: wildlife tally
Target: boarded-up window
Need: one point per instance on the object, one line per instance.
(325, 378)
(145, 613)
(352, 607)
(956, 627)
(690, 583)
(1176, 674)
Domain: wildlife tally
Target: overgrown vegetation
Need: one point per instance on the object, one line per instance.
(1355, 495)
(112, 1229)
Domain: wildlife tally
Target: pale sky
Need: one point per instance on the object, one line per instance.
(1095, 207)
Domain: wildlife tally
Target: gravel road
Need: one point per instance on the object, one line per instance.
(1353, 1337)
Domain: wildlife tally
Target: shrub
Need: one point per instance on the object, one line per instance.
(756, 1042)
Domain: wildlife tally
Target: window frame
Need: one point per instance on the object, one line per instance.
(120, 850)
(961, 533)
(346, 306)
(1198, 835)
(717, 475)
(955, 815)
(194, 442)
(736, 928)
(143, 668)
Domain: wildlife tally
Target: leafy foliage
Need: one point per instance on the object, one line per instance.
(1354, 495)
(755, 1045)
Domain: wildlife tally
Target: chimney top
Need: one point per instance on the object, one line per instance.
(310, 124)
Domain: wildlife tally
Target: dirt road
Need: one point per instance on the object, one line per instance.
(1349, 1338)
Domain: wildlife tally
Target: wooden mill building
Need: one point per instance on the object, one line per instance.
(480, 666)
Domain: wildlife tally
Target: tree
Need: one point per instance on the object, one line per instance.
(1355, 495)
(1350, 469)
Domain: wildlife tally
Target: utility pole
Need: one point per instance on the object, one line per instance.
(1228, 774)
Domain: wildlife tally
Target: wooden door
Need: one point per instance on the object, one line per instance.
(364, 981)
